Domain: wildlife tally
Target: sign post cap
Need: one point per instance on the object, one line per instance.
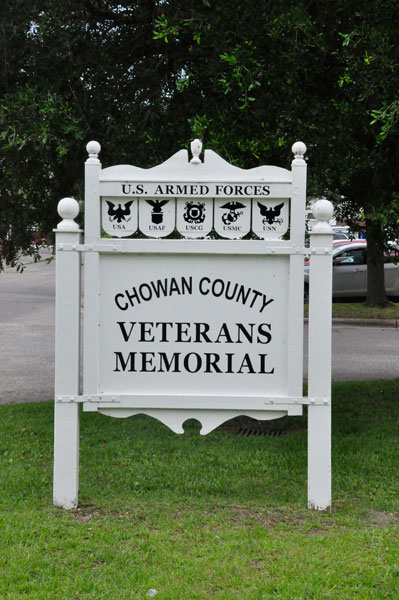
(196, 147)
(322, 211)
(299, 149)
(93, 148)
(68, 209)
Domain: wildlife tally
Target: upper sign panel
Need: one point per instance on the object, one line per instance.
(119, 216)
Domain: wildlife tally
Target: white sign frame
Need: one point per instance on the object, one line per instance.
(180, 177)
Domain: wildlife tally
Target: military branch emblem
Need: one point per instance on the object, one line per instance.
(119, 214)
(271, 215)
(234, 212)
(233, 218)
(194, 212)
(157, 212)
(270, 218)
(156, 217)
(119, 217)
(194, 217)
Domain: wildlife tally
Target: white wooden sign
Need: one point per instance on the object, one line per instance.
(192, 321)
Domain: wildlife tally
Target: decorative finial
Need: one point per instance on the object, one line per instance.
(93, 148)
(298, 149)
(68, 209)
(196, 147)
(322, 211)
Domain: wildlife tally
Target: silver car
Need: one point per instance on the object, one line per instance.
(350, 270)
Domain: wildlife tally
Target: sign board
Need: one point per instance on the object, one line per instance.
(193, 302)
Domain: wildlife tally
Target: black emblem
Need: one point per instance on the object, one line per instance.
(271, 214)
(119, 214)
(234, 212)
(194, 212)
(157, 214)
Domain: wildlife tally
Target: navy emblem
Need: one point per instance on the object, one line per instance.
(271, 215)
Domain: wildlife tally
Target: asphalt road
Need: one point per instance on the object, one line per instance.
(27, 340)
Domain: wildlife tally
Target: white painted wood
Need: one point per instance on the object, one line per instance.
(319, 373)
(194, 217)
(295, 325)
(67, 338)
(119, 279)
(270, 218)
(232, 217)
(174, 419)
(241, 306)
(209, 247)
(193, 187)
(197, 402)
(119, 217)
(298, 199)
(91, 322)
(157, 216)
(178, 168)
(92, 195)
(189, 400)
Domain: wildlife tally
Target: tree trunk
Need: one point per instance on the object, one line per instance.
(376, 295)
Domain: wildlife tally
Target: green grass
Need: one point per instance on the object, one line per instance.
(359, 310)
(198, 518)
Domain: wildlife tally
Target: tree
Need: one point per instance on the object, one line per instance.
(145, 77)
(326, 73)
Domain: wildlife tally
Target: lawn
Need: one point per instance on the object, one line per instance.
(359, 310)
(197, 518)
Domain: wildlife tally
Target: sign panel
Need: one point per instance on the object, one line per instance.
(156, 217)
(194, 217)
(270, 218)
(119, 216)
(232, 218)
(187, 325)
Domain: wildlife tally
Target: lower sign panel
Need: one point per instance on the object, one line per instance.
(193, 324)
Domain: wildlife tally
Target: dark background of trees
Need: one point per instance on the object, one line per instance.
(143, 78)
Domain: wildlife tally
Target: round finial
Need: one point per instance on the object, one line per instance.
(322, 211)
(299, 149)
(196, 147)
(93, 148)
(68, 209)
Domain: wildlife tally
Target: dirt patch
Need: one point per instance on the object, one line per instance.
(380, 518)
(84, 515)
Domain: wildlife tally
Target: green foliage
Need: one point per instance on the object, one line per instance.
(144, 78)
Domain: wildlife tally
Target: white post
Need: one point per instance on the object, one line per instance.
(91, 269)
(319, 368)
(67, 338)
(295, 292)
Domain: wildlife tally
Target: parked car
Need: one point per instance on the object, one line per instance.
(339, 235)
(350, 270)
